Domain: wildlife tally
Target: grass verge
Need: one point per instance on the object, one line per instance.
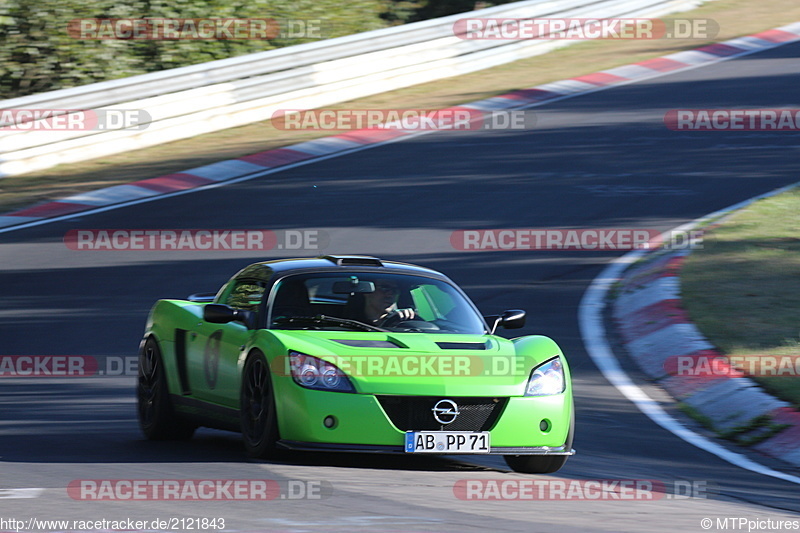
(742, 290)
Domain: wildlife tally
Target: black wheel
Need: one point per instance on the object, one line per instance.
(259, 421)
(156, 416)
(542, 464)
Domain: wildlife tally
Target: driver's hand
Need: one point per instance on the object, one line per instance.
(399, 315)
(405, 314)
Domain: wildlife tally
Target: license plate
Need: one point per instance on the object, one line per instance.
(447, 442)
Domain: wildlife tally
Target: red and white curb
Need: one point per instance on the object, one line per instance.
(255, 164)
(654, 327)
(655, 330)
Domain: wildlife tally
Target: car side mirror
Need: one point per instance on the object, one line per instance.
(223, 314)
(510, 319)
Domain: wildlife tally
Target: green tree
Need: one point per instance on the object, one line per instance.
(38, 54)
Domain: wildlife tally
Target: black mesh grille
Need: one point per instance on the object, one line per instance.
(414, 413)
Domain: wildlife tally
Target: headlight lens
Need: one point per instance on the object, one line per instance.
(314, 373)
(547, 379)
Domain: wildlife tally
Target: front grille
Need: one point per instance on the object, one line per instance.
(414, 413)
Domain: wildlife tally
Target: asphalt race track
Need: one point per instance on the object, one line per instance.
(603, 160)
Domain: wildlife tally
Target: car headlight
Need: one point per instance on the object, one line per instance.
(314, 373)
(547, 379)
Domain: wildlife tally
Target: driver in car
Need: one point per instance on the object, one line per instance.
(380, 306)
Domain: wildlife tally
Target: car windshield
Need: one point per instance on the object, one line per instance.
(372, 302)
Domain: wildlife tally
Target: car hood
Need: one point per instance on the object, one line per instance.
(422, 363)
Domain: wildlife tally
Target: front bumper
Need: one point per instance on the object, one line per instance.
(372, 448)
(362, 425)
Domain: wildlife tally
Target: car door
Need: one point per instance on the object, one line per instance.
(213, 349)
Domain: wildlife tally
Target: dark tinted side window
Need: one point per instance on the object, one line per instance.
(246, 295)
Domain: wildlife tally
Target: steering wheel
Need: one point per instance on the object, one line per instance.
(395, 320)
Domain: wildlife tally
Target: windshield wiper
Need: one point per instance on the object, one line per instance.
(324, 319)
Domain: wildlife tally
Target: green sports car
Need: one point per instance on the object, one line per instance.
(356, 354)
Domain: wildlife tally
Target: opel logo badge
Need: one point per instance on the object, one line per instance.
(445, 411)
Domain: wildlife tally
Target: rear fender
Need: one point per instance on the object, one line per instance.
(169, 321)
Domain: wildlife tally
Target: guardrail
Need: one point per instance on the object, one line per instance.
(189, 101)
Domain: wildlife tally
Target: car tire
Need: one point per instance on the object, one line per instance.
(259, 420)
(157, 418)
(542, 464)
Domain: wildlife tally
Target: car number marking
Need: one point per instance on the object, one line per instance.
(447, 442)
